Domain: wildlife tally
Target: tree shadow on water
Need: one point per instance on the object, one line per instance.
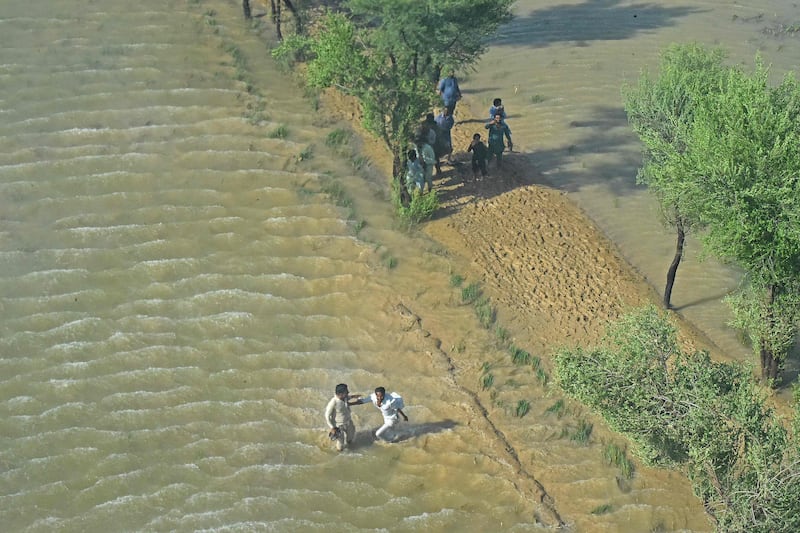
(592, 20)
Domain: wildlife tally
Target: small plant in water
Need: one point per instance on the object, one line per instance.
(485, 311)
(542, 376)
(470, 293)
(614, 455)
(360, 162)
(389, 261)
(602, 509)
(307, 153)
(456, 280)
(519, 356)
(537, 99)
(558, 408)
(358, 226)
(523, 406)
(338, 138)
(502, 335)
(281, 132)
(581, 435)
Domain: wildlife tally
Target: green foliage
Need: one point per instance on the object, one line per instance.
(768, 317)
(338, 138)
(485, 312)
(603, 509)
(292, 49)
(519, 356)
(582, 432)
(743, 159)
(456, 280)
(502, 335)
(389, 261)
(471, 292)
(684, 409)
(523, 406)
(487, 380)
(280, 132)
(558, 408)
(306, 153)
(614, 455)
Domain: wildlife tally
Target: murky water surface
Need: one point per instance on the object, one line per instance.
(180, 293)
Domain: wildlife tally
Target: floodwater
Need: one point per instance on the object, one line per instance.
(181, 292)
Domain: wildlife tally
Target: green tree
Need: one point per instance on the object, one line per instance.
(683, 409)
(744, 163)
(660, 110)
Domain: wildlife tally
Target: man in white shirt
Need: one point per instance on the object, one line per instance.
(338, 418)
(390, 405)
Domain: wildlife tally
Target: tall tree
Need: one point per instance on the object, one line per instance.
(660, 109)
(744, 159)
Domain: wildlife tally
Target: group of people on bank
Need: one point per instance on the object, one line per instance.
(342, 430)
(432, 139)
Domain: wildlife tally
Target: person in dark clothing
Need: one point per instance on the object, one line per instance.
(479, 153)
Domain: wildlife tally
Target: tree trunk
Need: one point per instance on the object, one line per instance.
(246, 8)
(673, 268)
(298, 24)
(275, 6)
(770, 365)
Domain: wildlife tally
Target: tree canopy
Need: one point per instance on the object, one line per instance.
(744, 163)
(722, 152)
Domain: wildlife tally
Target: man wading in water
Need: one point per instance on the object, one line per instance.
(338, 418)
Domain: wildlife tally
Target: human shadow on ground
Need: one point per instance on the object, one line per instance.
(404, 432)
(592, 20)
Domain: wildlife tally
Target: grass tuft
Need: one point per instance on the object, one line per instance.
(486, 313)
(519, 356)
(614, 455)
(581, 435)
(281, 132)
(523, 406)
(602, 509)
(558, 408)
(470, 293)
(456, 280)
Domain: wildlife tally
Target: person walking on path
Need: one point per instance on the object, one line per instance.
(449, 90)
(391, 407)
(427, 157)
(444, 145)
(497, 130)
(415, 175)
(479, 153)
(337, 416)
